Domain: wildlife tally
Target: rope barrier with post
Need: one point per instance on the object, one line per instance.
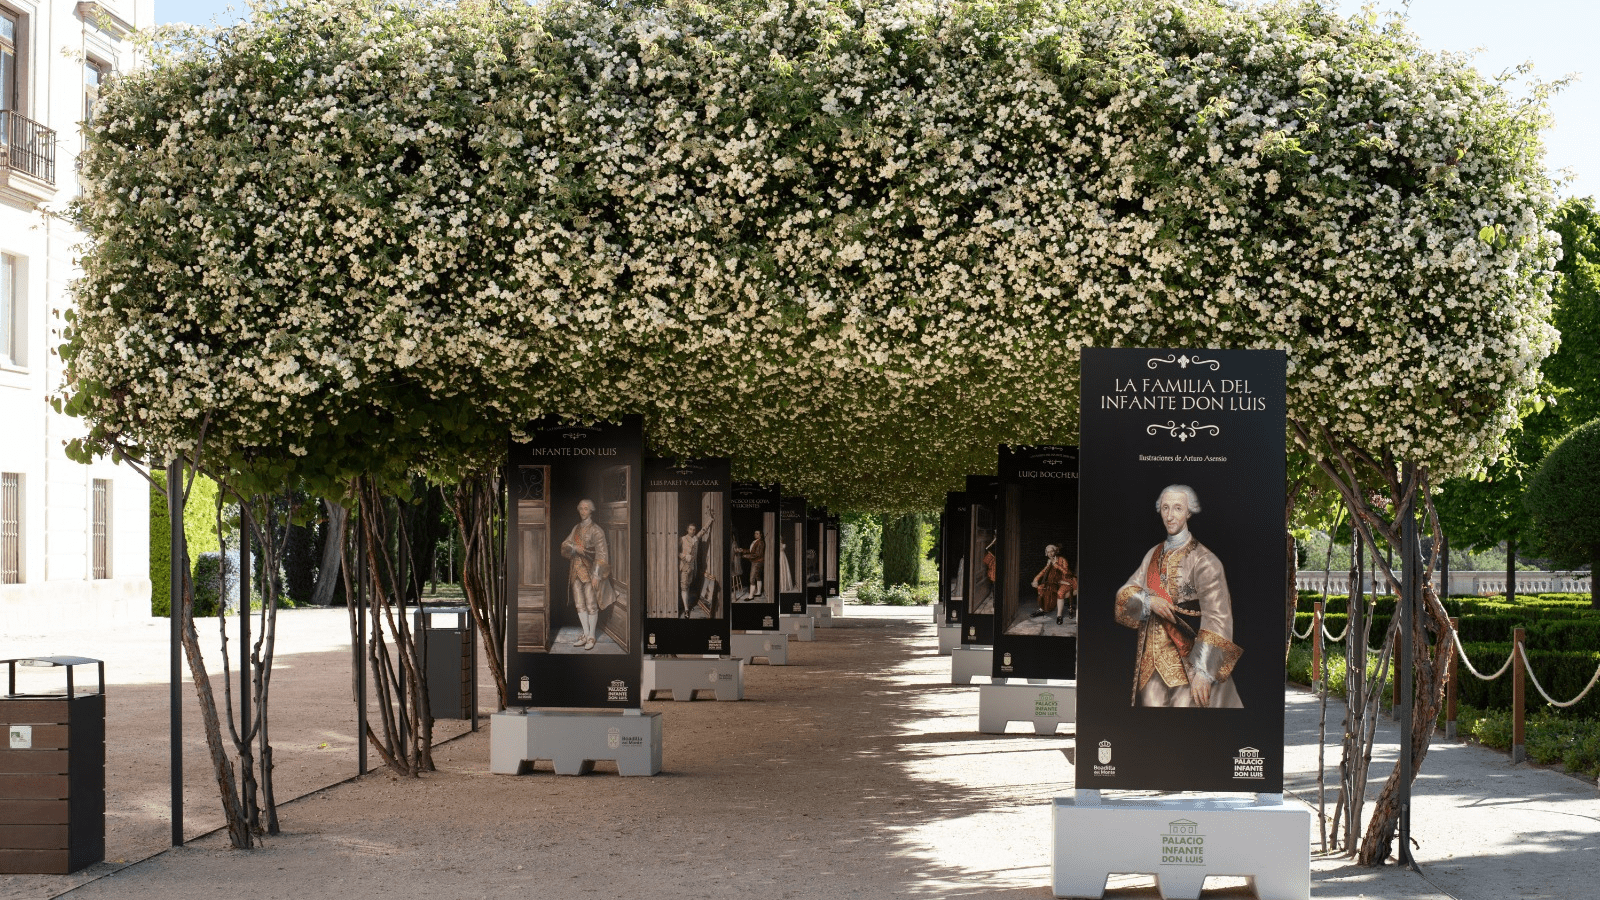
(1452, 688)
(1519, 711)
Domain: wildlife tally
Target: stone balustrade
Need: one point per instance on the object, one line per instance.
(1461, 583)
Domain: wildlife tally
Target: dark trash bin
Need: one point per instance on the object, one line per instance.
(451, 651)
(52, 773)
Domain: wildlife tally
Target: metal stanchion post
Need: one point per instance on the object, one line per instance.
(1406, 603)
(361, 649)
(178, 571)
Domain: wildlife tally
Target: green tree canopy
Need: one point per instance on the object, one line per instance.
(854, 246)
(1562, 499)
(1488, 510)
(1574, 369)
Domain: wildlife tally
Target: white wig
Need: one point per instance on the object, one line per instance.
(1184, 489)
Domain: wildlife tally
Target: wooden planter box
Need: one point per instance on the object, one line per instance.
(52, 778)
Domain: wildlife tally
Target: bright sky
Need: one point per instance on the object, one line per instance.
(1557, 36)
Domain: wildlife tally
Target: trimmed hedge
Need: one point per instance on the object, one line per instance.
(1552, 633)
(1563, 640)
(199, 533)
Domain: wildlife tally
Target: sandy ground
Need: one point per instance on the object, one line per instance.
(855, 772)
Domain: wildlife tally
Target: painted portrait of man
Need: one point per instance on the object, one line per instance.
(590, 568)
(1178, 601)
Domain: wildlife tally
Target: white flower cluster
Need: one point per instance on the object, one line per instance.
(853, 246)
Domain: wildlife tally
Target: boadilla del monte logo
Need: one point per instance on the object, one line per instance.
(1103, 767)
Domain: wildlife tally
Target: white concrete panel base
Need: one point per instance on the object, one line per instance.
(938, 613)
(798, 627)
(970, 661)
(573, 739)
(836, 603)
(771, 646)
(1181, 842)
(1044, 706)
(723, 676)
(822, 613)
(949, 639)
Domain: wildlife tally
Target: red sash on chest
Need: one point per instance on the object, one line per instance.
(1152, 581)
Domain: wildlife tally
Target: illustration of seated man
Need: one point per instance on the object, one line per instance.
(1178, 601)
(1055, 584)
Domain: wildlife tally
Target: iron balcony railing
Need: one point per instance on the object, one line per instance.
(27, 147)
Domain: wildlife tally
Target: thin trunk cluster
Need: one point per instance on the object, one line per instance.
(244, 779)
(249, 729)
(481, 520)
(389, 580)
(1370, 486)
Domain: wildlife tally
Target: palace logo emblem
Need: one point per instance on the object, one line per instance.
(613, 738)
(1105, 751)
(525, 684)
(1249, 764)
(653, 637)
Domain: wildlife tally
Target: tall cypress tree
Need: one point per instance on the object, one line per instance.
(902, 549)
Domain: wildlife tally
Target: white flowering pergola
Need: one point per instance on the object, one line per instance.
(853, 246)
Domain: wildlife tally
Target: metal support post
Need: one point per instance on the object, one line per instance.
(178, 571)
(1410, 592)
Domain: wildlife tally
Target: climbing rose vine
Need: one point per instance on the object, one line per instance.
(853, 246)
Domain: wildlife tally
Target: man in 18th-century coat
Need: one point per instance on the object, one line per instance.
(688, 562)
(1178, 600)
(757, 556)
(591, 568)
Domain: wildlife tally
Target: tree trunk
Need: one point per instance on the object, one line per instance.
(328, 574)
(239, 835)
(1427, 617)
(1431, 665)
(406, 745)
(1511, 570)
(476, 503)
